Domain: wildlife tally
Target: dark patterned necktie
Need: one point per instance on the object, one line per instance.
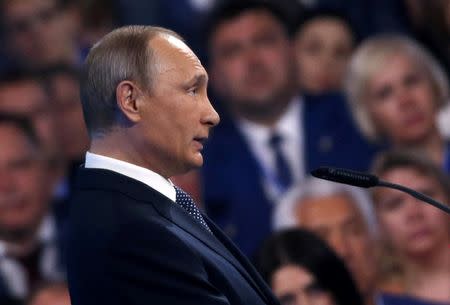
(188, 204)
(284, 175)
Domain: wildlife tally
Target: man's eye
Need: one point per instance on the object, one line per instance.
(192, 91)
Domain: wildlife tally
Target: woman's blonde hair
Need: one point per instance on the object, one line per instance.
(370, 57)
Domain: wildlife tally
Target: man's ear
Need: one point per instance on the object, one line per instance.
(127, 95)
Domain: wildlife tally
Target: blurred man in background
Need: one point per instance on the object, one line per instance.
(40, 32)
(271, 136)
(30, 235)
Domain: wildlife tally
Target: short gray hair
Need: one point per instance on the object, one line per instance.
(123, 54)
(284, 216)
(367, 60)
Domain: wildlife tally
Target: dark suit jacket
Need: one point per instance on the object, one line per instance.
(129, 244)
(232, 180)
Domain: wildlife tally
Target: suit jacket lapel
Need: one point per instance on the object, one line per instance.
(178, 216)
(253, 276)
(105, 179)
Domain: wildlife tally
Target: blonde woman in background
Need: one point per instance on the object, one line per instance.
(396, 90)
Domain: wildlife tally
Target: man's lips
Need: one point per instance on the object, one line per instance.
(201, 141)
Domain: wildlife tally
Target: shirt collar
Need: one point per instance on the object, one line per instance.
(144, 175)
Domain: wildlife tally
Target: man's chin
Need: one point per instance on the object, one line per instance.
(197, 161)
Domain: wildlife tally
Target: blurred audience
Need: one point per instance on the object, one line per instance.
(430, 24)
(277, 83)
(51, 294)
(323, 41)
(40, 32)
(96, 19)
(62, 84)
(302, 270)
(415, 233)
(70, 130)
(396, 90)
(343, 217)
(24, 94)
(270, 136)
(30, 235)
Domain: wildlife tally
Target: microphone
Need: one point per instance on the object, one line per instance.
(346, 176)
(351, 177)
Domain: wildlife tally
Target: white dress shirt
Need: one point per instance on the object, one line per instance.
(290, 128)
(144, 175)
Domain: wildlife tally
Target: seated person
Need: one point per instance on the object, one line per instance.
(396, 89)
(323, 43)
(301, 269)
(416, 234)
(30, 235)
(343, 217)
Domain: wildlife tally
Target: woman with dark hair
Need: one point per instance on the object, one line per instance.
(302, 269)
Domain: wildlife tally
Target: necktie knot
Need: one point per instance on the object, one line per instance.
(188, 204)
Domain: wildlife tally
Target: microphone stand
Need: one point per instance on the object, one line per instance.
(360, 179)
(415, 194)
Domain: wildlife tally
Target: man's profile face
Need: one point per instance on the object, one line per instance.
(177, 115)
(24, 188)
(338, 221)
(251, 59)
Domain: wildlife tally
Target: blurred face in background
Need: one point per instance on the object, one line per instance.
(24, 184)
(323, 47)
(294, 285)
(412, 228)
(70, 128)
(338, 221)
(28, 98)
(402, 101)
(39, 32)
(251, 62)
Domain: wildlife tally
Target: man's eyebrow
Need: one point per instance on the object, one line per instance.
(198, 78)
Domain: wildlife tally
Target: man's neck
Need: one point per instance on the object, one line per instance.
(266, 116)
(121, 146)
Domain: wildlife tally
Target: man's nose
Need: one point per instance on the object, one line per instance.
(211, 116)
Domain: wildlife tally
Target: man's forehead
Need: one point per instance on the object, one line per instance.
(250, 19)
(166, 44)
(172, 52)
(338, 203)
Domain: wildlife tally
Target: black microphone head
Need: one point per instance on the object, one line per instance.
(345, 176)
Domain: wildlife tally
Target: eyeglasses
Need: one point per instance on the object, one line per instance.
(25, 24)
